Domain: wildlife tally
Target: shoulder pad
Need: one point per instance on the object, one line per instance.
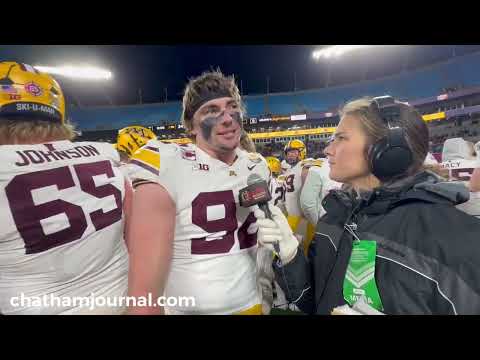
(312, 162)
(255, 157)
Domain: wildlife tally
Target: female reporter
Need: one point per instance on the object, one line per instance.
(395, 237)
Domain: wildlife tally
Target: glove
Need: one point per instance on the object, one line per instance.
(276, 231)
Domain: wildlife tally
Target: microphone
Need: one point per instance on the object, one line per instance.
(257, 193)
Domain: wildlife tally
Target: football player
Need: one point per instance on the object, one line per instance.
(61, 204)
(295, 156)
(316, 186)
(295, 168)
(130, 139)
(459, 158)
(295, 153)
(189, 235)
(277, 183)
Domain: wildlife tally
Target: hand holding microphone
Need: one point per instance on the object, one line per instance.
(276, 231)
(273, 230)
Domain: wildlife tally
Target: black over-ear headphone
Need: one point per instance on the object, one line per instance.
(391, 155)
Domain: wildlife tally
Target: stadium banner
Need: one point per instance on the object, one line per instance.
(321, 115)
(277, 134)
(435, 116)
(464, 111)
(447, 96)
(325, 115)
(178, 141)
(270, 135)
(280, 118)
(264, 119)
(298, 117)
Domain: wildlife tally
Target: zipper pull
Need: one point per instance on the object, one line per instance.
(351, 228)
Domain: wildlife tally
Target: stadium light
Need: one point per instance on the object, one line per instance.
(77, 72)
(338, 50)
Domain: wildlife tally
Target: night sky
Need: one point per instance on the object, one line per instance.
(154, 68)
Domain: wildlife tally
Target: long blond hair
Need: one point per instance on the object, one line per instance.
(246, 143)
(26, 131)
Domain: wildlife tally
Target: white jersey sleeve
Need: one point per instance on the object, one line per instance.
(316, 187)
(310, 197)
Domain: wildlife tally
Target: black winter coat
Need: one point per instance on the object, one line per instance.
(428, 252)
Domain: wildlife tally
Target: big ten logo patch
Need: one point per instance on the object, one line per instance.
(203, 167)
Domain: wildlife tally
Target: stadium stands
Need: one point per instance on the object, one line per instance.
(429, 89)
(423, 83)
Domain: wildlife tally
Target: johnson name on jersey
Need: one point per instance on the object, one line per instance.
(214, 257)
(62, 224)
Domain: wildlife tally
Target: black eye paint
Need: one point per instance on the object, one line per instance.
(207, 126)
(238, 118)
(209, 123)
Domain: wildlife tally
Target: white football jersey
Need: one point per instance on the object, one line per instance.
(277, 190)
(62, 225)
(215, 245)
(293, 184)
(293, 187)
(285, 166)
(460, 171)
(316, 187)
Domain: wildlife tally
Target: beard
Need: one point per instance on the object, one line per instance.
(292, 162)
